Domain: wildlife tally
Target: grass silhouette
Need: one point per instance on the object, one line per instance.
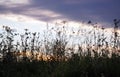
(56, 57)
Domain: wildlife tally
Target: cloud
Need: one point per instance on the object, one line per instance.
(51, 10)
(19, 18)
(102, 10)
(42, 14)
(30, 11)
(84, 1)
(6, 2)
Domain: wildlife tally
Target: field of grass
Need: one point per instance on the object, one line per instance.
(55, 54)
(84, 66)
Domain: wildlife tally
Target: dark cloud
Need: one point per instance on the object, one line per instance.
(96, 10)
(77, 10)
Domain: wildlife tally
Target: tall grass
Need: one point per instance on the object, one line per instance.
(61, 52)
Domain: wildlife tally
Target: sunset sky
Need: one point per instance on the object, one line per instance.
(36, 13)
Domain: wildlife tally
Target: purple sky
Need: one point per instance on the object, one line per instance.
(103, 11)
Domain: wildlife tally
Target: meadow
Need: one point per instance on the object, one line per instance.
(61, 52)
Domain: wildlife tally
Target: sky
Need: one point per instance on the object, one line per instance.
(34, 14)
